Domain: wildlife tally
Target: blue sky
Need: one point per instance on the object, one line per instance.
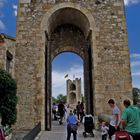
(64, 63)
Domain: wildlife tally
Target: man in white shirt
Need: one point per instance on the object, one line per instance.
(115, 118)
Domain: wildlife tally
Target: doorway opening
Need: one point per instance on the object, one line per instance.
(67, 80)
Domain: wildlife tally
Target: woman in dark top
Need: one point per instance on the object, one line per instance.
(61, 110)
(81, 111)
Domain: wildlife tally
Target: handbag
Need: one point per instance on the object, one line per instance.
(73, 127)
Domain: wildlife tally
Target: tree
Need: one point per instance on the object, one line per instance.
(61, 98)
(136, 95)
(54, 100)
(8, 98)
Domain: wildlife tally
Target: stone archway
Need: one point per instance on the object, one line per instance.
(72, 98)
(72, 87)
(105, 48)
(68, 34)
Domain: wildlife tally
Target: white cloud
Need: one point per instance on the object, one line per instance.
(135, 67)
(135, 55)
(135, 63)
(135, 73)
(136, 85)
(59, 82)
(130, 2)
(2, 26)
(15, 9)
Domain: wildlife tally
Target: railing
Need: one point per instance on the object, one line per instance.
(33, 133)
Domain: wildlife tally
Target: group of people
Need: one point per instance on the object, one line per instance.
(129, 121)
(59, 110)
(73, 118)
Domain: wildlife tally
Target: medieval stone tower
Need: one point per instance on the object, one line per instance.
(93, 29)
(73, 92)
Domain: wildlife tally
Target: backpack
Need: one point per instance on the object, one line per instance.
(122, 135)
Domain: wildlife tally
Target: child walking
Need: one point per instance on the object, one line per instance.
(104, 131)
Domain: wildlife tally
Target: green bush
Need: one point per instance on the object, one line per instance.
(8, 98)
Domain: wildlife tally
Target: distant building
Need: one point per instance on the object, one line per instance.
(7, 53)
(73, 92)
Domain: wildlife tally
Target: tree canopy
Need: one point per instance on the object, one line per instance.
(136, 95)
(59, 98)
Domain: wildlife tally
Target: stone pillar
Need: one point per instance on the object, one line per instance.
(48, 79)
(86, 81)
(90, 80)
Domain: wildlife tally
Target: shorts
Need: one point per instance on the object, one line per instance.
(112, 131)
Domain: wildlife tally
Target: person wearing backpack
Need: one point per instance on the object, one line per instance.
(72, 126)
(131, 120)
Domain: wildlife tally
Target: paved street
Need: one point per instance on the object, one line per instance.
(59, 133)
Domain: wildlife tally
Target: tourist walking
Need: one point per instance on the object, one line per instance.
(115, 118)
(72, 126)
(61, 111)
(131, 120)
(81, 111)
(65, 112)
(54, 110)
(78, 108)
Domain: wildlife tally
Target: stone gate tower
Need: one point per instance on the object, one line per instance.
(73, 92)
(93, 29)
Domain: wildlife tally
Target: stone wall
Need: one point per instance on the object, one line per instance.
(110, 54)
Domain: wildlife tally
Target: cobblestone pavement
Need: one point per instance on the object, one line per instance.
(59, 133)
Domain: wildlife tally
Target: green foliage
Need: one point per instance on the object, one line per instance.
(59, 98)
(7, 130)
(8, 98)
(136, 95)
(54, 100)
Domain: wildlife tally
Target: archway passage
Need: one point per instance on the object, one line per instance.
(72, 87)
(67, 79)
(68, 34)
(72, 97)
